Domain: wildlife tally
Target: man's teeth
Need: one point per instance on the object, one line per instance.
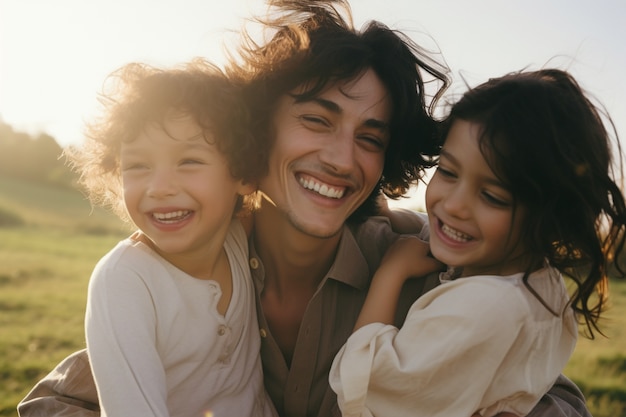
(172, 216)
(322, 189)
(455, 234)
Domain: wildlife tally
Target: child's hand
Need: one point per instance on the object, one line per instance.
(408, 257)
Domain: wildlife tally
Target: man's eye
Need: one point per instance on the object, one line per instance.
(314, 120)
(374, 141)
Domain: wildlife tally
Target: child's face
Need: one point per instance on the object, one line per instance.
(177, 187)
(470, 210)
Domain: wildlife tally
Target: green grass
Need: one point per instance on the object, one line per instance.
(46, 259)
(56, 207)
(599, 366)
(43, 287)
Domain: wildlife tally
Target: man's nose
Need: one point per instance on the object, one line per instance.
(339, 152)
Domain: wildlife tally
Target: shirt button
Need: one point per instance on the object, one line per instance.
(263, 333)
(221, 330)
(254, 263)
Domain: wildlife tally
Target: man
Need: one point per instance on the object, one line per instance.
(346, 116)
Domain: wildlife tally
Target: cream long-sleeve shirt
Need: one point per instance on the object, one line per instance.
(481, 343)
(158, 345)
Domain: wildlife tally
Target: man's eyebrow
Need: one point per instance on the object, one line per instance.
(327, 104)
(334, 107)
(377, 124)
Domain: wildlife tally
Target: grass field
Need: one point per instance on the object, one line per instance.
(46, 258)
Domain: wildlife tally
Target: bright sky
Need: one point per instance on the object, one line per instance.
(54, 55)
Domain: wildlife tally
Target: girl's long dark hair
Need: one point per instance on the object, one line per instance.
(546, 140)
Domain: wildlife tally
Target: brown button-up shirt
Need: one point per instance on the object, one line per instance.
(303, 389)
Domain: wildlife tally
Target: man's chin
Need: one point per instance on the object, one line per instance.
(319, 230)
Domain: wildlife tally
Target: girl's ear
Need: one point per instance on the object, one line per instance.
(246, 188)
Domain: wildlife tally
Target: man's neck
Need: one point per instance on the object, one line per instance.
(292, 259)
(295, 264)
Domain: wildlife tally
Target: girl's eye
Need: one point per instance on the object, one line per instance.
(495, 200)
(445, 172)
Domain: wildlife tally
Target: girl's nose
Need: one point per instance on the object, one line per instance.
(457, 202)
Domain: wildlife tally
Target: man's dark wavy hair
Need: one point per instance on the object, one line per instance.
(313, 45)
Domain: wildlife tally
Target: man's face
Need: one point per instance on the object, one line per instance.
(328, 154)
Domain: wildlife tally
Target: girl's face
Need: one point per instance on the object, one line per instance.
(472, 221)
(178, 189)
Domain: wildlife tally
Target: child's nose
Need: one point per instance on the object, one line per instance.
(162, 184)
(457, 202)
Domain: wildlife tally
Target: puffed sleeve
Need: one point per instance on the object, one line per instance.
(454, 340)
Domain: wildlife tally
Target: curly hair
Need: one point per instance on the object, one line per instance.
(137, 94)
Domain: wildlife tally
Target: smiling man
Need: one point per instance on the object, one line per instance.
(328, 154)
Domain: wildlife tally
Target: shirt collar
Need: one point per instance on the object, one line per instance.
(349, 267)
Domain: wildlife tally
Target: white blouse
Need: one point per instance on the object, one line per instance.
(158, 345)
(481, 343)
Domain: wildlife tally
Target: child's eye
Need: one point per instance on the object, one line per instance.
(191, 162)
(133, 166)
(445, 172)
(496, 200)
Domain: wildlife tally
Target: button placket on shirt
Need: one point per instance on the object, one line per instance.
(299, 386)
(254, 265)
(224, 331)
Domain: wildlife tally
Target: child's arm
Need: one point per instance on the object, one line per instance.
(407, 257)
(120, 332)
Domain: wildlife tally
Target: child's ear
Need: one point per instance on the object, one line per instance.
(246, 188)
